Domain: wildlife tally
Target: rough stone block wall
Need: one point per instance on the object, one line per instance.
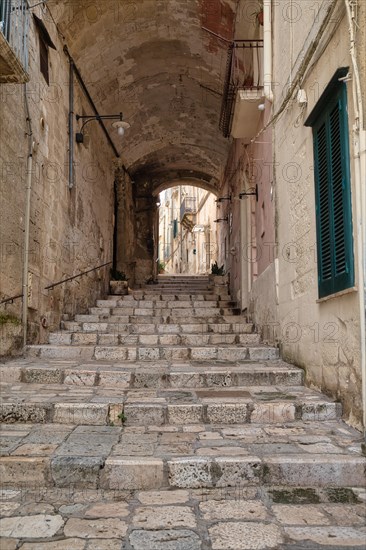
(70, 230)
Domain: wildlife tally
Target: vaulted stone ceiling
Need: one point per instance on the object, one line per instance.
(153, 60)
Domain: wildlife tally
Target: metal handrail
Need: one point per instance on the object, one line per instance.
(11, 299)
(76, 276)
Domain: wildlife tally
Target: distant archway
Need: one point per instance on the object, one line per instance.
(185, 233)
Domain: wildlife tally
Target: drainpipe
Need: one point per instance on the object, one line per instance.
(28, 190)
(267, 49)
(71, 124)
(359, 144)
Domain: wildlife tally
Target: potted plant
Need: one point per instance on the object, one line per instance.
(259, 17)
(218, 276)
(118, 284)
(161, 267)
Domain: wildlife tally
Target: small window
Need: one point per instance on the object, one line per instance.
(45, 43)
(175, 229)
(329, 120)
(43, 59)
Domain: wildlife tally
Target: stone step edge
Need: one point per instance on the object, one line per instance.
(155, 353)
(179, 328)
(96, 338)
(162, 414)
(147, 473)
(136, 378)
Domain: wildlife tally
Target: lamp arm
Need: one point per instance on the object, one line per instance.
(98, 118)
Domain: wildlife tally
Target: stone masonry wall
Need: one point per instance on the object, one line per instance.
(70, 230)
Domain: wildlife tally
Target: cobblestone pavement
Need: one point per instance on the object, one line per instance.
(230, 518)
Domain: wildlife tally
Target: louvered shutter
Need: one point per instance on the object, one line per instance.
(333, 202)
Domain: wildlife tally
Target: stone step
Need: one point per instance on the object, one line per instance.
(323, 454)
(159, 319)
(165, 311)
(148, 353)
(149, 328)
(191, 374)
(172, 287)
(164, 304)
(124, 338)
(70, 403)
(142, 295)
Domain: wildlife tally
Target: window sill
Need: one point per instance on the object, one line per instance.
(337, 294)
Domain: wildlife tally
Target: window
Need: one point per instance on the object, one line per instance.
(43, 59)
(175, 229)
(45, 43)
(329, 121)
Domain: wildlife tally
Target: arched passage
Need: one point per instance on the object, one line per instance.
(185, 232)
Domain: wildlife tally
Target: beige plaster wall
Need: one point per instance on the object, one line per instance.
(323, 338)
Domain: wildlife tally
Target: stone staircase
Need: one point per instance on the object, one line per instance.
(169, 390)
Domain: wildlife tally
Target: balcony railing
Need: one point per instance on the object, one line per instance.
(14, 26)
(188, 206)
(244, 71)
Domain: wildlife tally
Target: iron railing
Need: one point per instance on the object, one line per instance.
(76, 276)
(14, 25)
(244, 71)
(11, 299)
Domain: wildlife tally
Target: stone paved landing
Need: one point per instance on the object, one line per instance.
(236, 518)
(326, 454)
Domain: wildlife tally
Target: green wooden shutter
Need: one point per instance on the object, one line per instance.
(175, 229)
(333, 197)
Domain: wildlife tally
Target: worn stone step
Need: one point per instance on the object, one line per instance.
(162, 374)
(165, 311)
(71, 403)
(126, 339)
(162, 304)
(159, 319)
(324, 455)
(157, 328)
(221, 352)
(167, 297)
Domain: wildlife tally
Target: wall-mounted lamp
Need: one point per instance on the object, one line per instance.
(249, 193)
(222, 199)
(120, 124)
(222, 219)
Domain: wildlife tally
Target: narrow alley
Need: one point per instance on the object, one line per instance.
(182, 277)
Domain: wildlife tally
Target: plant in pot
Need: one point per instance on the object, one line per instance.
(258, 14)
(118, 284)
(161, 267)
(218, 276)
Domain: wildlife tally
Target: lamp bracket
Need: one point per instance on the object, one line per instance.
(249, 193)
(89, 118)
(222, 199)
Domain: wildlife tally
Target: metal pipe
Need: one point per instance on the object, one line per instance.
(267, 52)
(71, 124)
(27, 219)
(360, 208)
